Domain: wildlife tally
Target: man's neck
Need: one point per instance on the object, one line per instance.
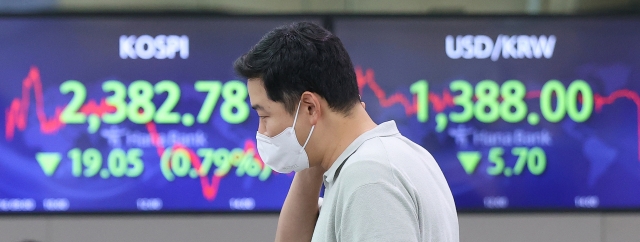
(346, 130)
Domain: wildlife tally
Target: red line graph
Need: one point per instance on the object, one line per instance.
(209, 189)
(367, 78)
(624, 93)
(91, 107)
(532, 94)
(17, 113)
(440, 103)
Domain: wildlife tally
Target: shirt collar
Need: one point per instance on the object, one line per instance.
(388, 128)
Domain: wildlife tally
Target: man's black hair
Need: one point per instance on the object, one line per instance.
(301, 57)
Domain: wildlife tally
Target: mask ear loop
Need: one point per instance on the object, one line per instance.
(294, 125)
(308, 137)
(296, 117)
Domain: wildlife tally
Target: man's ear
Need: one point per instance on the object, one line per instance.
(311, 106)
(364, 105)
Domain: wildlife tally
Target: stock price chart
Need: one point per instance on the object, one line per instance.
(146, 114)
(521, 114)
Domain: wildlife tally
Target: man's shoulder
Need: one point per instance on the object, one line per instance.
(388, 150)
(371, 163)
(383, 160)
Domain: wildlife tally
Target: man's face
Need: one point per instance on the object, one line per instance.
(273, 116)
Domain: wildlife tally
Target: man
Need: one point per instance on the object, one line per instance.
(379, 186)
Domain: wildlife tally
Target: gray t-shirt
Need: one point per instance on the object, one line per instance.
(384, 187)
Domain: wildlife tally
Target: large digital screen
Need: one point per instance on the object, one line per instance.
(125, 114)
(520, 113)
(128, 114)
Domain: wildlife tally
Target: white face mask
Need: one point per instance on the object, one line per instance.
(282, 152)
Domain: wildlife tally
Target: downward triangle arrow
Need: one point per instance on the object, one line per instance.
(49, 161)
(469, 160)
